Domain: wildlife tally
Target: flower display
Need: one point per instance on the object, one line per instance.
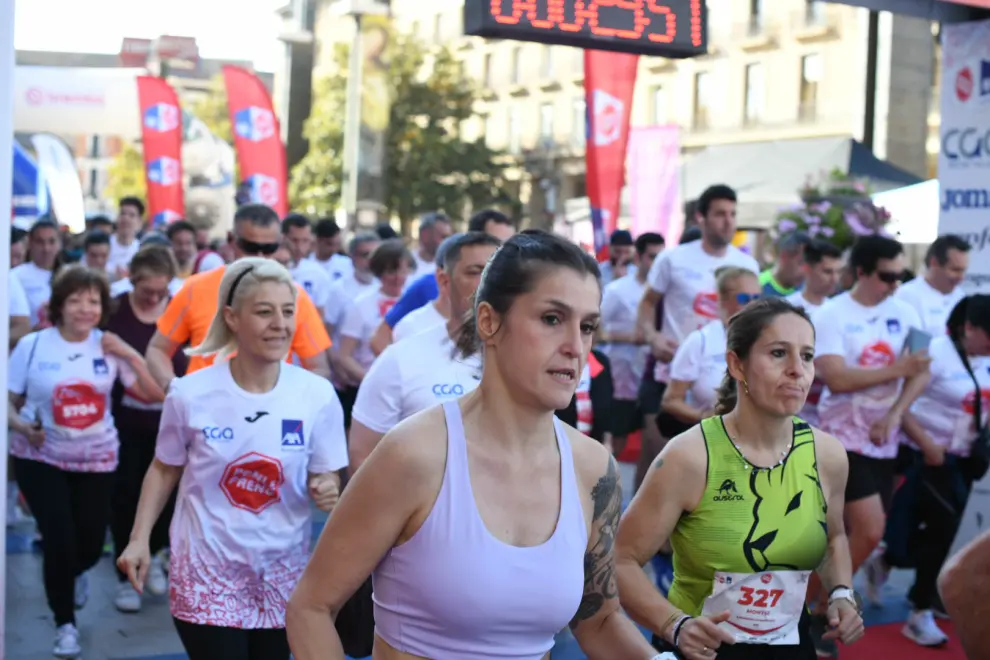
(837, 208)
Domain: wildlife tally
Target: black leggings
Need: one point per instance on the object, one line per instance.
(137, 450)
(804, 650)
(215, 643)
(72, 510)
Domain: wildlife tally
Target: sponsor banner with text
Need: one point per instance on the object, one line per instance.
(161, 136)
(964, 154)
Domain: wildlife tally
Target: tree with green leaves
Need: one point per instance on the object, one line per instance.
(429, 165)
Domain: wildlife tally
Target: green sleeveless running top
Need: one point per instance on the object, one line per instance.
(749, 520)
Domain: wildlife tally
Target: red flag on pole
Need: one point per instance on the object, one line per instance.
(257, 139)
(609, 80)
(161, 133)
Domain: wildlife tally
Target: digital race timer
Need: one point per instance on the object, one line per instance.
(664, 28)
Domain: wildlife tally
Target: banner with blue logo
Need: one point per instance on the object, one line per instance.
(161, 135)
(30, 195)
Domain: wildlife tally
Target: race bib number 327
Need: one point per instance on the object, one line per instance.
(764, 608)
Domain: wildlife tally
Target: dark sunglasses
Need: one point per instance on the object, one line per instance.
(746, 298)
(888, 277)
(253, 249)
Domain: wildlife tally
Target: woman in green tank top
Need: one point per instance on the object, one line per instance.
(751, 501)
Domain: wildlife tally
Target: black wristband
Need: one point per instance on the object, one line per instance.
(677, 629)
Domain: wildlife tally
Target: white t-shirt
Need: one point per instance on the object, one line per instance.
(798, 300)
(417, 321)
(343, 293)
(620, 302)
(210, 261)
(37, 285)
(685, 276)
(124, 285)
(865, 338)
(361, 321)
(418, 373)
(337, 266)
(700, 360)
(932, 305)
(314, 280)
(810, 411)
(67, 388)
(17, 299)
(121, 255)
(945, 409)
(242, 523)
(423, 267)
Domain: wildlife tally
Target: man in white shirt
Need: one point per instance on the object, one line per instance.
(433, 229)
(822, 267)
(683, 277)
(20, 311)
(181, 235)
(423, 370)
(328, 250)
(297, 232)
(350, 286)
(96, 250)
(124, 242)
(437, 311)
(934, 295)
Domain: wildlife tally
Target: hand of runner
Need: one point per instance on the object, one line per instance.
(324, 491)
(134, 561)
(844, 621)
(934, 455)
(663, 347)
(912, 364)
(882, 430)
(700, 637)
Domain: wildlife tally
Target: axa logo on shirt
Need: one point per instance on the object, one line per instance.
(292, 434)
(164, 171)
(441, 390)
(967, 146)
(254, 124)
(264, 189)
(220, 433)
(162, 117)
(100, 367)
(893, 325)
(972, 198)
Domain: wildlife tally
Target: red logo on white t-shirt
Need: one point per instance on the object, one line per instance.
(876, 355)
(964, 84)
(252, 482)
(385, 305)
(969, 402)
(706, 304)
(77, 405)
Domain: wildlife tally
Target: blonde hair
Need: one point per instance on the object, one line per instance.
(726, 276)
(240, 279)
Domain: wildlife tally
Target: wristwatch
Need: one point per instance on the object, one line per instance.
(844, 593)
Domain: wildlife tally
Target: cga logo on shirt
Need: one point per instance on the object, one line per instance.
(447, 390)
(292, 435)
(252, 482)
(222, 433)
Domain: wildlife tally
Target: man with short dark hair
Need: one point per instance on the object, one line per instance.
(934, 295)
(621, 253)
(822, 266)
(494, 223)
(190, 313)
(297, 233)
(124, 240)
(328, 250)
(96, 250)
(787, 274)
(433, 229)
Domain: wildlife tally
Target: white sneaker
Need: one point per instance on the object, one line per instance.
(128, 600)
(877, 573)
(922, 629)
(157, 582)
(67, 642)
(82, 591)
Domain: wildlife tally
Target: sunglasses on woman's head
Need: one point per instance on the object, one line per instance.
(746, 298)
(252, 248)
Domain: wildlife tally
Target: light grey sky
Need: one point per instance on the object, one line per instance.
(236, 29)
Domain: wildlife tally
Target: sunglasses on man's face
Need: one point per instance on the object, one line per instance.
(746, 298)
(251, 248)
(889, 277)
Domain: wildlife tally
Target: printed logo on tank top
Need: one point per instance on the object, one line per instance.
(876, 355)
(969, 401)
(706, 305)
(728, 492)
(77, 405)
(252, 482)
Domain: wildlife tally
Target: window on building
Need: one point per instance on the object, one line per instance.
(546, 65)
(811, 77)
(546, 122)
(516, 66)
(755, 16)
(486, 72)
(659, 109)
(579, 127)
(756, 94)
(814, 12)
(515, 141)
(702, 100)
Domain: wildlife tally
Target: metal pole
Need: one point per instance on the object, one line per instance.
(352, 126)
(6, 183)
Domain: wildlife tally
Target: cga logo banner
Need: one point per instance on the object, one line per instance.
(162, 117)
(164, 171)
(264, 189)
(967, 147)
(165, 218)
(255, 124)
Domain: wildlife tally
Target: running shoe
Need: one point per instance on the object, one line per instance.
(156, 582)
(82, 591)
(824, 648)
(127, 600)
(877, 572)
(921, 629)
(66, 642)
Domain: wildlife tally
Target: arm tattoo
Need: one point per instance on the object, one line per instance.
(657, 464)
(599, 561)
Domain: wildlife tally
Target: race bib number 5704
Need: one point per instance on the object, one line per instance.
(764, 608)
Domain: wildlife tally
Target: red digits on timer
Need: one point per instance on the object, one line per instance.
(586, 13)
(765, 598)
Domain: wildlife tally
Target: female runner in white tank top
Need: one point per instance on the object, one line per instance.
(249, 441)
